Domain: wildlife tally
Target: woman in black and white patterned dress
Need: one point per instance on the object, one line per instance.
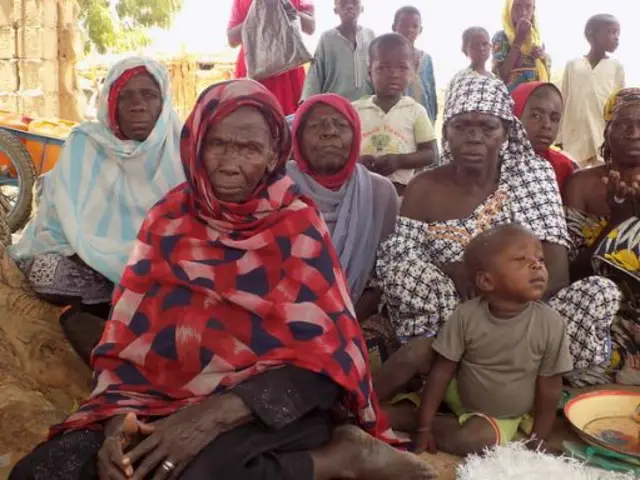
(490, 176)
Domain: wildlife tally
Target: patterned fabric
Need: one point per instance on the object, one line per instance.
(418, 297)
(58, 279)
(100, 191)
(616, 257)
(216, 293)
(619, 99)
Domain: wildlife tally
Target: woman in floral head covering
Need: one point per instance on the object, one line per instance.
(491, 177)
(603, 211)
(232, 334)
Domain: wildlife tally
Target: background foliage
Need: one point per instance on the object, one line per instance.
(117, 26)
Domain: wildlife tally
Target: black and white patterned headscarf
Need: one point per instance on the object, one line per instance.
(528, 180)
(488, 95)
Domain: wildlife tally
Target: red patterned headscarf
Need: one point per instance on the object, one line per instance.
(215, 293)
(114, 95)
(342, 105)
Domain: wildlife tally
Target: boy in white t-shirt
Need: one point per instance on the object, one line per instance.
(397, 134)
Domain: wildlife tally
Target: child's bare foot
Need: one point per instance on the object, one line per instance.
(366, 458)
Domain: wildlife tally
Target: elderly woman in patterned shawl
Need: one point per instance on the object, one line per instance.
(109, 175)
(491, 177)
(359, 207)
(603, 215)
(232, 334)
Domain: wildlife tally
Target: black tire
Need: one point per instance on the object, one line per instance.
(18, 216)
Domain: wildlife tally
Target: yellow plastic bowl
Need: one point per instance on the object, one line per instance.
(606, 419)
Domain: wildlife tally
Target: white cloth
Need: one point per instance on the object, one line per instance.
(97, 196)
(585, 91)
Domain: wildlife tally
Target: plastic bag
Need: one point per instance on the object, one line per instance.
(271, 39)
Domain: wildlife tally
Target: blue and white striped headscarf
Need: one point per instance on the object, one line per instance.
(97, 196)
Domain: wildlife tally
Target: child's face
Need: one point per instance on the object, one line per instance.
(541, 118)
(391, 70)
(517, 272)
(522, 9)
(607, 37)
(409, 25)
(348, 10)
(478, 48)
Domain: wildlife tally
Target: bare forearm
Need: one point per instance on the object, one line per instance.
(229, 414)
(307, 22)
(368, 303)
(423, 157)
(510, 62)
(548, 393)
(234, 35)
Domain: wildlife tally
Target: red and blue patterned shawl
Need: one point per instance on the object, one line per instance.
(215, 293)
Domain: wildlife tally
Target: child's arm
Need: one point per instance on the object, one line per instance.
(548, 393)
(440, 376)
(556, 361)
(449, 347)
(314, 82)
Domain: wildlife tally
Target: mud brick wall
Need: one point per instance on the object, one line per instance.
(38, 52)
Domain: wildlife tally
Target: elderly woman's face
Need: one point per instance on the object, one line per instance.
(237, 152)
(326, 139)
(139, 106)
(623, 136)
(475, 139)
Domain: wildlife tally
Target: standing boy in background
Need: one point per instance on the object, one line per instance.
(397, 134)
(408, 22)
(341, 59)
(587, 83)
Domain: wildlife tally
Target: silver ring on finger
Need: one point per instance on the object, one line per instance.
(168, 466)
(619, 200)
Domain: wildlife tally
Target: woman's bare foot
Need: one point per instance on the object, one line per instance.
(354, 454)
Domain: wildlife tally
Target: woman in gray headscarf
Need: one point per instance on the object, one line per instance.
(359, 207)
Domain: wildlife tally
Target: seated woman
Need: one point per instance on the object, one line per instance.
(109, 174)
(539, 106)
(232, 334)
(491, 177)
(603, 215)
(359, 207)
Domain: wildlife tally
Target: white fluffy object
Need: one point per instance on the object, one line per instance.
(517, 462)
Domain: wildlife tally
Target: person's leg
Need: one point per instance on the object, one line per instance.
(82, 330)
(403, 416)
(474, 436)
(413, 358)
(353, 454)
(62, 458)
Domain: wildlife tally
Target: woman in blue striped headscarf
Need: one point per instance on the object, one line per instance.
(109, 174)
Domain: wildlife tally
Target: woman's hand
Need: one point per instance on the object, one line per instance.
(538, 53)
(523, 27)
(120, 435)
(622, 198)
(458, 273)
(179, 438)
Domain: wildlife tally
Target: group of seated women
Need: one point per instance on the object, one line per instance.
(218, 276)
